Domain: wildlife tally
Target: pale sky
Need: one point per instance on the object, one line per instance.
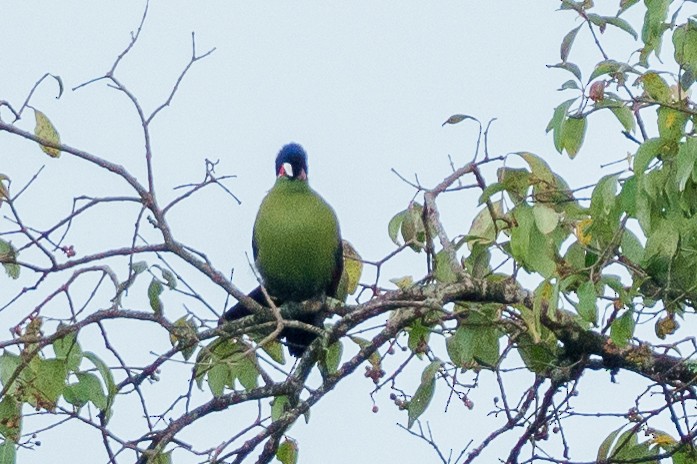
(363, 86)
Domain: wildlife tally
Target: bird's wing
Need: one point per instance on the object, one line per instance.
(255, 247)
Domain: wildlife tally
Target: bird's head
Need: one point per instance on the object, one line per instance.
(291, 162)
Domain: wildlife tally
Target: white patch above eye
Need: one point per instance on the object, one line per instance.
(288, 168)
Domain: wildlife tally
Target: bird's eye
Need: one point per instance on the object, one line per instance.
(288, 169)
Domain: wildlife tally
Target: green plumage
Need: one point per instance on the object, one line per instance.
(296, 241)
(297, 247)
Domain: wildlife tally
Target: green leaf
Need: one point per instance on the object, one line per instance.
(608, 67)
(104, 372)
(537, 356)
(603, 21)
(540, 258)
(570, 85)
(576, 256)
(9, 362)
(8, 258)
(628, 196)
(48, 382)
(10, 418)
(8, 454)
(520, 235)
(686, 161)
(424, 393)
(246, 372)
(274, 348)
(631, 247)
(622, 24)
(570, 67)
(139, 267)
(107, 378)
(418, 336)
(222, 362)
(541, 172)
(170, 278)
(622, 329)
(332, 357)
(413, 230)
(45, 130)
(605, 446)
(605, 211)
(655, 87)
(663, 240)
(185, 334)
(476, 339)
(88, 388)
(625, 116)
(478, 263)
(567, 42)
(218, 377)
(671, 123)
(161, 458)
(654, 26)
(546, 218)
(626, 4)
(279, 405)
(686, 455)
(528, 245)
(490, 191)
(395, 225)
(444, 271)
(68, 349)
(587, 308)
(457, 118)
(154, 291)
(515, 181)
(646, 153)
(685, 46)
(556, 124)
(482, 229)
(287, 452)
(627, 447)
(574, 131)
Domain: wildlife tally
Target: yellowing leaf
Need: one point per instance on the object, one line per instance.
(353, 267)
(663, 439)
(582, 227)
(4, 191)
(403, 283)
(655, 87)
(46, 131)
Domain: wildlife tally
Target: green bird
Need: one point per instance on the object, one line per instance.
(296, 244)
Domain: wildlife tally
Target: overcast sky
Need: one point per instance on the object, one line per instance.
(364, 86)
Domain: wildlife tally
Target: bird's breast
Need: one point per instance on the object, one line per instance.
(296, 237)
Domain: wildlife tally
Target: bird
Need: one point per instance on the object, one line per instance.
(297, 247)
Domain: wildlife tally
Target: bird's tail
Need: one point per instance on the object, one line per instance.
(240, 310)
(297, 340)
